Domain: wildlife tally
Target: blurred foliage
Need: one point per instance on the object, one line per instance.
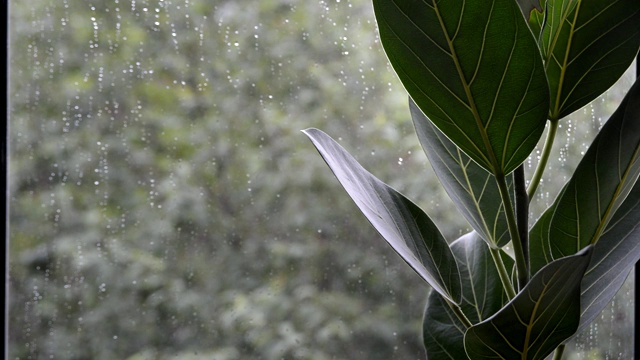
(165, 205)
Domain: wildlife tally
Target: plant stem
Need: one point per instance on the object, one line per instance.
(459, 314)
(521, 264)
(502, 272)
(542, 164)
(559, 351)
(522, 211)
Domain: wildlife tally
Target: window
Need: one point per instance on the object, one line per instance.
(164, 204)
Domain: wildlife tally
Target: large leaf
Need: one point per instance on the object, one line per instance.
(614, 257)
(474, 69)
(539, 242)
(408, 230)
(587, 46)
(600, 183)
(473, 190)
(542, 316)
(482, 296)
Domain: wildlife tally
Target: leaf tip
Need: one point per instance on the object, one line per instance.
(311, 132)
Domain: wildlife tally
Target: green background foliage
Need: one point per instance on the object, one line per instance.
(165, 205)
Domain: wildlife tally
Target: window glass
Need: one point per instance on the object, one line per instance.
(164, 204)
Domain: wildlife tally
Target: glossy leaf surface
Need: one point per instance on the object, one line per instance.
(472, 189)
(542, 316)
(482, 296)
(408, 230)
(539, 244)
(474, 68)
(614, 257)
(600, 183)
(587, 46)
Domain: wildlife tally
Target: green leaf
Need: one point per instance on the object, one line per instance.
(615, 254)
(474, 68)
(408, 230)
(614, 257)
(591, 176)
(542, 316)
(600, 183)
(586, 46)
(473, 190)
(539, 246)
(482, 296)
(442, 332)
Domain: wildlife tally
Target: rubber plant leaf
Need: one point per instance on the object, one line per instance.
(541, 317)
(586, 46)
(482, 296)
(603, 179)
(473, 190)
(539, 242)
(407, 228)
(474, 68)
(615, 254)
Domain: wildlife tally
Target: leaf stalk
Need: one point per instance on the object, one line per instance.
(522, 212)
(542, 163)
(502, 273)
(557, 355)
(459, 314)
(521, 264)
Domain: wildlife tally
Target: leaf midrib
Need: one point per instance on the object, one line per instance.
(581, 52)
(609, 212)
(474, 110)
(419, 88)
(476, 202)
(411, 246)
(563, 68)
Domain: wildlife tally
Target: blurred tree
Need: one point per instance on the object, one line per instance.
(163, 202)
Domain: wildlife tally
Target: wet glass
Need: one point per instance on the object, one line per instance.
(164, 204)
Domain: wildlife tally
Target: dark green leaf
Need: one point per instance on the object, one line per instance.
(482, 296)
(587, 46)
(442, 332)
(539, 247)
(614, 256)
(542, 316)
(473, 190)
(600, 183)
(408, 230)
(474, 68)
